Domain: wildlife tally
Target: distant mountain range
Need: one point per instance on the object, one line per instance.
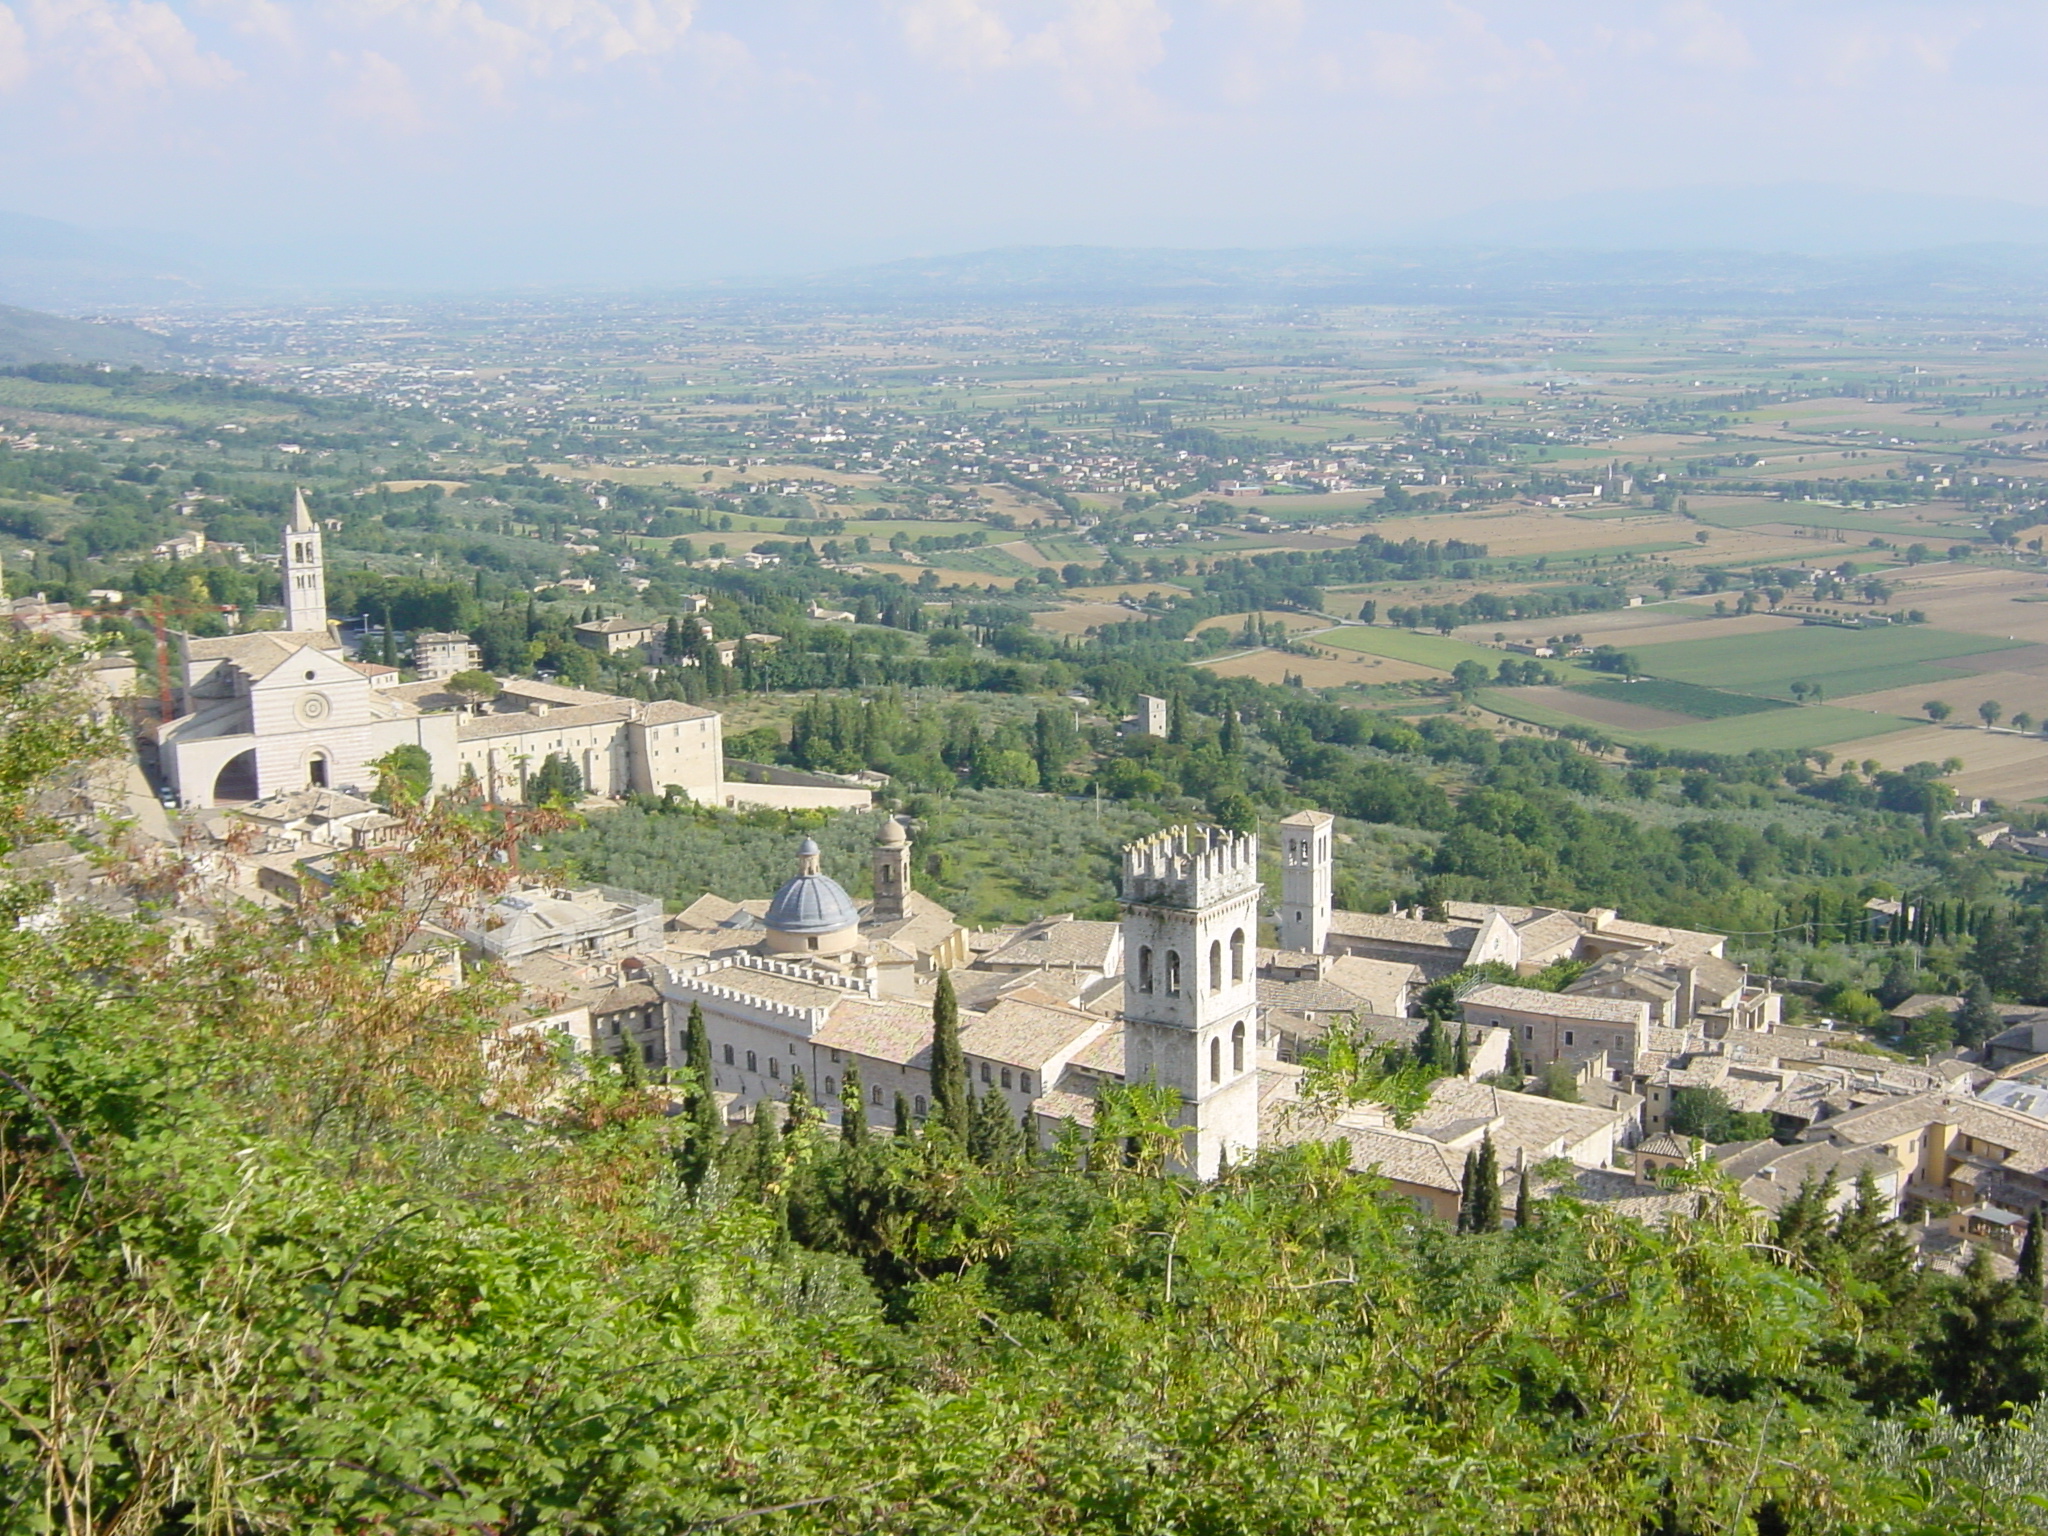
(1965, 278)
(1813, 248)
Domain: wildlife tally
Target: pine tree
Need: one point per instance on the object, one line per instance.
(1486, 1192)
(902, 1127)
(1978, 1019)
(1897, 985)
(949, 1068)
(853, 1109)
(703, 1127)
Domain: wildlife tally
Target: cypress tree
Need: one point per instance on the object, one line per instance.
(1431, 1051)
(700, 1104)
(853, 1109)
(902, 1126)
(2029, 1280)
(1525, 1208)
(1468, 1185)
(1486, 1193)
(950, 1093)
(1461, 1062)
(632, 1063)
(796, 1115)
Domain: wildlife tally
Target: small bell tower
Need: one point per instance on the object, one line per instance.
(1305, 870)
(892, 873)
(305, 572)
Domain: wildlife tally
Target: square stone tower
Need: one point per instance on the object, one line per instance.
(1306, 860)
(1191, 933)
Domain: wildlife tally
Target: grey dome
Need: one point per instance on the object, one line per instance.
(891, 833)
(812, 904)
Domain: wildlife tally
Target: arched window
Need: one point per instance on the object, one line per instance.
(918, 1107)
(984, 1072)
(1145, 969)
(875, 1095)
(830, 1087)
(1024, 1081)
(1215, 1058)
(775, 1068)
(1237, 1047)
(728, 1055)
(1173, 973)
(1215, 966)
(1237, 956)
(752, 1066)
(1006, 1077)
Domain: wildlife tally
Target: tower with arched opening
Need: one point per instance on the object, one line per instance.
(1190, 931)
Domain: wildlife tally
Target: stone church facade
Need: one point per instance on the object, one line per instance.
(276, 711)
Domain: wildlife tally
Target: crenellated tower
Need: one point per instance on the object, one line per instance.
(1306, 858)
(1190, 931)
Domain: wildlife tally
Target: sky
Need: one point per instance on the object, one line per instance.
(636, 140)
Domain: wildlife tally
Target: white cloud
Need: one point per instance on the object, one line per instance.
(1097, 48)
(1709, 36)
(380, 93)
(114, 49)
(13, 50)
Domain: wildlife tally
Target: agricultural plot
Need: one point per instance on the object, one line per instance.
(1432, 651)
(2016, 689)
(1327, 670)
(1898, 522)
(1767, 730)
(1999, 765)
(1844, 662)
(1688, 699)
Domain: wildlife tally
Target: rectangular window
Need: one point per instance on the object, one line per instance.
(1024, 1081)
(1567, 1037)
(1006, 1077)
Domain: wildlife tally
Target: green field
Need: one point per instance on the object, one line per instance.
(1424, 650)
(1770, 729)
(1681, 698)
(1842, 661)
(1817, 725)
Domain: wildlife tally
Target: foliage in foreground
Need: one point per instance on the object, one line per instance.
(291, 1240)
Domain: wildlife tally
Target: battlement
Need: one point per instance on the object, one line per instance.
(1190, 867)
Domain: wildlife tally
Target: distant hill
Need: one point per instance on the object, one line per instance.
(27, 336)
(60, 266)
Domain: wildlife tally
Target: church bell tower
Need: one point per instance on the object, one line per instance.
(1305, 881)
(1190, 931)
(892, 872)
(305, 572)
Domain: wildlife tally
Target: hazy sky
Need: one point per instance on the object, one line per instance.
(690, 137)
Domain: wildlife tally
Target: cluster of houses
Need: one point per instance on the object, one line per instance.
(1204, 985)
